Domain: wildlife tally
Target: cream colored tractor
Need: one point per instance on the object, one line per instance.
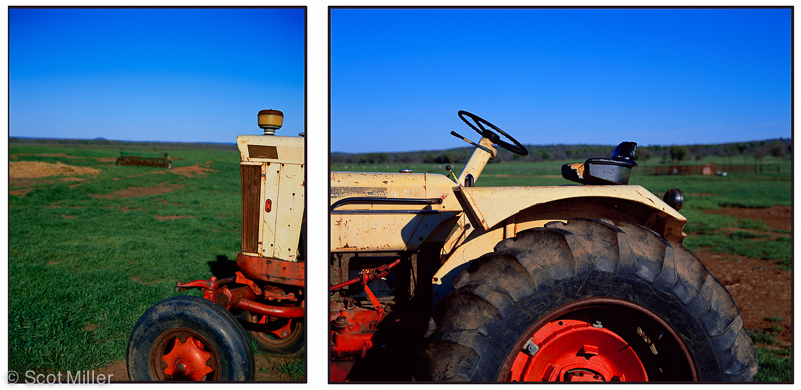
(434, 279)
(188, 338)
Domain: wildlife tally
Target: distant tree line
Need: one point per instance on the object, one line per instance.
(666, 154)
(674, 154)
(102, 143)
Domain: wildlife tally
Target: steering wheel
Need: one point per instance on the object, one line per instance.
(517, 148)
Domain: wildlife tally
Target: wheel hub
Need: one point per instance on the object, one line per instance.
(188, 360)
(583, 375)
(575, 350)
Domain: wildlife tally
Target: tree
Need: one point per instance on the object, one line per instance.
(678, 153)
(760, 153)
(778, 149)
(742, 148)
(445, 158)
(698, 152)
(545, 155)
(643, 154)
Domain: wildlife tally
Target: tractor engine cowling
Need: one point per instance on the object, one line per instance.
(273, 188)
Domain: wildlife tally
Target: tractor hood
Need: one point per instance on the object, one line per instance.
(393, 186)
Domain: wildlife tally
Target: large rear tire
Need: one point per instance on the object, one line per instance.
(187, 338)
(587, 300)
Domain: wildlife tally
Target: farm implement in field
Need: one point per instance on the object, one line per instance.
(145, 159)
(191, 338)
(444, 281)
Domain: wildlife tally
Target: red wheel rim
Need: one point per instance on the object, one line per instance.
(573, 350)
(602, 340)
(183, 354)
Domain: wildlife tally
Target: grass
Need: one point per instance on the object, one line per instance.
(777, 250)
(775, 364)
(294, 368)
(775, 358)
(83, 268)
(716, 233)
(746, 190)
(764, 338)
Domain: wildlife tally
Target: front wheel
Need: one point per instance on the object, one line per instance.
(588, 301)
(188, 338)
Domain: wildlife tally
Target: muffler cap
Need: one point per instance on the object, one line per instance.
(270, 120)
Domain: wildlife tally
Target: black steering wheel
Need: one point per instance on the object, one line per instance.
(517, 148)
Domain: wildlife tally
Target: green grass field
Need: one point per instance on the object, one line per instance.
(85, 261)
(87, 258)
(747, 190)
(716, 233)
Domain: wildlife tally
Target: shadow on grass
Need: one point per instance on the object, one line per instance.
(223, 267)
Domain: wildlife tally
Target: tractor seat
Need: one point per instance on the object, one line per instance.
(604, 171)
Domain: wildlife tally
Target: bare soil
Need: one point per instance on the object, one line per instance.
(24, 176)
(266, 370)
(37, 169)
(761, 290)
(193, 170)
(17, 156)
(132, 192)
(776, 217)
(171, 217)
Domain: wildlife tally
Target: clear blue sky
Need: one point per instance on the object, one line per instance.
(185, 75)
(551, 76)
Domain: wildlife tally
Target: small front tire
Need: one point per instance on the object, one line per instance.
(187, 338)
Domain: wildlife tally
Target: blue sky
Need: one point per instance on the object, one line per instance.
(550, 76)
(184, 75)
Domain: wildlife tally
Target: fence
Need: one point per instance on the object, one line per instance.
(706, 169)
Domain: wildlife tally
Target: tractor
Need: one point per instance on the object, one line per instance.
(436, 280)
(188, 338)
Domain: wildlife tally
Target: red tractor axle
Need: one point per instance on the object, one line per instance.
(352, 327)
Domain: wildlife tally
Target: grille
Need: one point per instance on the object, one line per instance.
(251, 192)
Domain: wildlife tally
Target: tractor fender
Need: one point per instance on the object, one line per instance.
(487, 207)
(496, 213)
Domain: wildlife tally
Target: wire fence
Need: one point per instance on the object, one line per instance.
(708, 169)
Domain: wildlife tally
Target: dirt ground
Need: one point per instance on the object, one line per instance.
(777, 217)
(132, 192)
(760, 289)
(24, 176)
(265, 370)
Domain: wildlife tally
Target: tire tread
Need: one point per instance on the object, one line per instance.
(493, 284)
